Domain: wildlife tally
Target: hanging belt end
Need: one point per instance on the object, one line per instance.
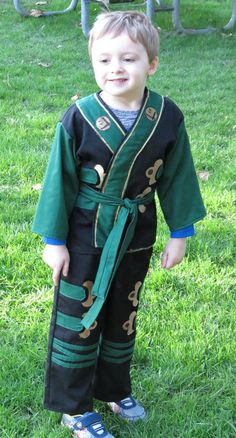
(90, 317)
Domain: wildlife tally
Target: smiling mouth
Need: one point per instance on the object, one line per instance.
(119, 80)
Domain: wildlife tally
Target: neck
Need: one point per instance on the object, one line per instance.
(120, 103)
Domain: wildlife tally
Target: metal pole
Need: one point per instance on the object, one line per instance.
(232, 20)
(25, 13)
(85, 16)
(150, 10)
(178, 26)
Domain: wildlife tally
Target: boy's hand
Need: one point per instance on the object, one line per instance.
(173, 253)
(57, 258)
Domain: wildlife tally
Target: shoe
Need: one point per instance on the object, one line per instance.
(88, 425)
(128, 408)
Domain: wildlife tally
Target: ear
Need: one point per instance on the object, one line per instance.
(153, 66)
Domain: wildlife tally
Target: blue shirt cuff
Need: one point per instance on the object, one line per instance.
(184, 232)
(51, 241)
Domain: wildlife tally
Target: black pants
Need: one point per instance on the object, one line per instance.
(85, 364)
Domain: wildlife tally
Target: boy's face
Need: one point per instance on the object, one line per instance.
(121, 67)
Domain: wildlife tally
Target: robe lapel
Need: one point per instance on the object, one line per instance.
(101, 121)
(125, 148)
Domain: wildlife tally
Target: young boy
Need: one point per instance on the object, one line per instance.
(112, 151)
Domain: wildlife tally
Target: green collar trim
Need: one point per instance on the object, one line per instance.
(102, 121)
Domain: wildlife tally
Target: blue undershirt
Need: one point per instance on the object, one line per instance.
(127, 119)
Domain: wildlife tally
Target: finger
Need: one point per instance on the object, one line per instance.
(56, 276)
(169, 264)
(164, 259)
(66, 268)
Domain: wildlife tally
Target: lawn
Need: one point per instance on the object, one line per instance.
(184, 363)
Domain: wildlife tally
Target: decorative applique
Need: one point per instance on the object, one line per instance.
(86, 332)
(103, 123)
(151, 113)
(151, 172)
(88, 285)
(128, 325)
(142, 208)
(101, 174)
(133, 296)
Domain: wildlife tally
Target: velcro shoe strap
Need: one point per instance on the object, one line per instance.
(128, 401)
(89, 419)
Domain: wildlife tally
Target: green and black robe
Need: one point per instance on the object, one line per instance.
(98, 196)
(91, 146)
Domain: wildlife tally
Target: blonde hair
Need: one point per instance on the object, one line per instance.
(135, 24)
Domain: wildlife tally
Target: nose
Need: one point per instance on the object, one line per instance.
(115, 65)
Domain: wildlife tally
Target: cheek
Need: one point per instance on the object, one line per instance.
(97, 73)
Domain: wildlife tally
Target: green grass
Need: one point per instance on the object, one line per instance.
(184, 363)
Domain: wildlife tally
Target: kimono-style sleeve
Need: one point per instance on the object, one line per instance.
(178, 190)
(60, 189)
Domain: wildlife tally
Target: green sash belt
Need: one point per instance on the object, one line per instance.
(116, 244)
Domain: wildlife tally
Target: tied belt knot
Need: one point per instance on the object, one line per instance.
(128, 204)
(115, 246)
